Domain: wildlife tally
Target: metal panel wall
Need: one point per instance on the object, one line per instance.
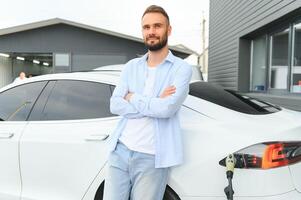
(69, 39)
(92, 61)
(75, 41)
(229, 21)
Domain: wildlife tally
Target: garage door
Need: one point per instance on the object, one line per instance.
(5, 71)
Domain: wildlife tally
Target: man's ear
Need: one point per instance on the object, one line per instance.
(169, 30)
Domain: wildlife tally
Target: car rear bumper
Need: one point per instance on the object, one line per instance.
(292, 195)
(296, 175)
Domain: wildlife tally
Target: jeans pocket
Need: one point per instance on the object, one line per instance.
(117, 160)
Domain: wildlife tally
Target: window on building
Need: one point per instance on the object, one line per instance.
(276, 60)
(62, 62)
(258, 64)
(62, 59)
(279, 43)
(296, 61)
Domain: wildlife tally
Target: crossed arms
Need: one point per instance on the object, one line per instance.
(133, 105)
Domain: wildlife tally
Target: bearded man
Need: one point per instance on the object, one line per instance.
(147, 141)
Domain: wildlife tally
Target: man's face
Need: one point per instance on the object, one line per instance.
(155, 30)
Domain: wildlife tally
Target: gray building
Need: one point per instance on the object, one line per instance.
(59, 45)
(255, 48)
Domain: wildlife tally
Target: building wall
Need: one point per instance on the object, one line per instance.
(230, 22)
(65, 38)
(92, 61)
(5, 71)
(87, 49)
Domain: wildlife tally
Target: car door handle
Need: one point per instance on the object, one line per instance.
(97, 137)
(6, 135)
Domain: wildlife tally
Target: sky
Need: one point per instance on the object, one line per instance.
(123, 16)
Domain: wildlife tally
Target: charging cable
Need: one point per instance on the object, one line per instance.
(230, 164)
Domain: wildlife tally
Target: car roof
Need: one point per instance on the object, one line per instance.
(117, 67)
(196, 72)
(107, 74)
(109, 77)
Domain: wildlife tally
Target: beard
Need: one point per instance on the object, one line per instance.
(156, 46)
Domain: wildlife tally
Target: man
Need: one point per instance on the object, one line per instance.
(147, 140)
(20, 78)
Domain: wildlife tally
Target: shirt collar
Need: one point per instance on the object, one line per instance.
(170, 57)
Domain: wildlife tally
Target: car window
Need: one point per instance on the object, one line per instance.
(71, 99)
(16, 103)
(231, 99)
(112, 87)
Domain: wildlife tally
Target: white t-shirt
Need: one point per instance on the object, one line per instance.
(138, 134)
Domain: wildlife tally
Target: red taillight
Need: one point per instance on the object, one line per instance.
(274, 156)
(268, 155)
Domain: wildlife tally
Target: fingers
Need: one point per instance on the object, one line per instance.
(170, 90)
(128, 96)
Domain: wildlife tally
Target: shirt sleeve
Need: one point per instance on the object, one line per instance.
(118, 105)
(168, 106)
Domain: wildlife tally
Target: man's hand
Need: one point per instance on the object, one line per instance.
(168, 91)
(128, 96)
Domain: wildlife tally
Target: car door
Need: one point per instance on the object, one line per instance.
(64, 145)
(15, 106)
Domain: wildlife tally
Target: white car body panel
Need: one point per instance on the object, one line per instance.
(10, 180)
(204, 137)
(296, 175)
(57, 162)
(292, 195)
(49, 153)
(91, 191)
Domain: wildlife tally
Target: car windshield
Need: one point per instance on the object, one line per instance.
(231, 99)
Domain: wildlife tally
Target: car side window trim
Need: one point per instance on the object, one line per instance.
(33, 106)
(37, 110)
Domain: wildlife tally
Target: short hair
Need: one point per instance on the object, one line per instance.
(156, 9)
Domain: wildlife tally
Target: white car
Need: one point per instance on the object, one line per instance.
(54, 131)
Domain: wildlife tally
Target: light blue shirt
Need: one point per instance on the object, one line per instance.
(172, 71)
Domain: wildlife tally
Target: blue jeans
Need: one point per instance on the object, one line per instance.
(133, 175)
